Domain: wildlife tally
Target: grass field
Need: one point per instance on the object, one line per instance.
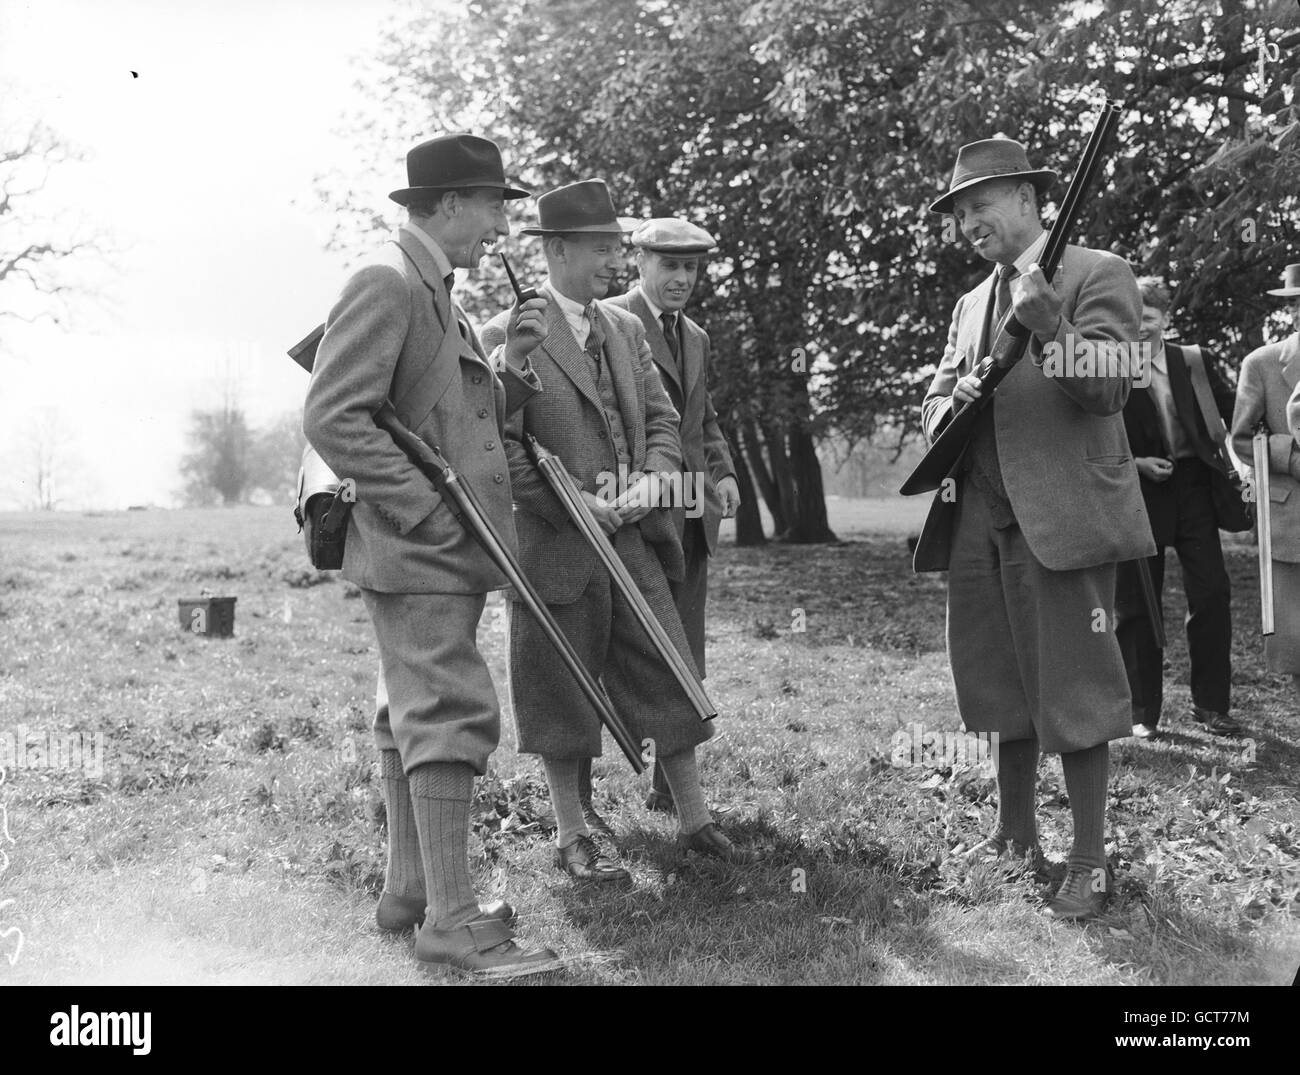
(235, 833)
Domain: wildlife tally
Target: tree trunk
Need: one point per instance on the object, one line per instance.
(749, 524)
(758, 469)
(810, 526)
(783, 479)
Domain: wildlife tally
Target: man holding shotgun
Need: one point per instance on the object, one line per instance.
(395, 336)
(604, 412)
(1037, 512)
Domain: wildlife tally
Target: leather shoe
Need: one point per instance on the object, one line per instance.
(660, 803)
(709, 841)
(482, 948)
(1216, 723)
(595, 822)
(999, 850)
(397, 914)
(1145, 731)
(1082, 895)
(583, 861)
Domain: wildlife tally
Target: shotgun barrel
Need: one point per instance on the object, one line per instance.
(1264, 528)
(1012, 337)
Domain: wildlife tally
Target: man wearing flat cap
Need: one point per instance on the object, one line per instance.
(603, 410)
(396, 334)
(670, 254)
(1046, 502)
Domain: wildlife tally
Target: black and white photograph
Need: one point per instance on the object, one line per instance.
(627, 493)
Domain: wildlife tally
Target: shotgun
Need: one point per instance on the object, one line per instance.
(1263, 528)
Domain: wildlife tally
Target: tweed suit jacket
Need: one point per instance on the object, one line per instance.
(1269, 375)
(1063, 452)
(1146, 435)
(567, 419)
(392, 335)
(704, 448)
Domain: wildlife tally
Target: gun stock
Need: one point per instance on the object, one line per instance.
(1264, 529)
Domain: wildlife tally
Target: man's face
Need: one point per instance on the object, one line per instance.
(668, 279)
(1153, 325)
(475, 222)
(583, 266)
(997, 218)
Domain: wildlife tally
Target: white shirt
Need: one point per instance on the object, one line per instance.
(574, 313)
(659, 314)
(430, 244)
(1031, 253)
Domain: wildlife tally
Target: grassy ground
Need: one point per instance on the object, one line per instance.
(235, 833)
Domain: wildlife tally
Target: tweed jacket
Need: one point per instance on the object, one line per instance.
(393, 335)
(1063, 452)
(1268, 378)
(567, 419)
(1146, 434)
(704, 448)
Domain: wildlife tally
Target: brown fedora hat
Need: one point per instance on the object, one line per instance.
(992, 158)
(1290, 283)
(579, 207)
(452, 162)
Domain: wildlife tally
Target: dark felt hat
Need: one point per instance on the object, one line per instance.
(451, 162)
(992, 158)
(579, 207)
(1290, 283)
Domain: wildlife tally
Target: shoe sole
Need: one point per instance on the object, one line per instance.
(493, 974)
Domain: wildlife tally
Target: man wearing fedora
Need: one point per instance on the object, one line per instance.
(670, 254)
(396, 334)
(603, 410)
(1178, 460)
(1046, 502)
(1269, 377)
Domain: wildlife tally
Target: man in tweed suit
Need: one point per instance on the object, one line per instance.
(669, 257)
(1046, 501)
(604, 412)
(395, 334)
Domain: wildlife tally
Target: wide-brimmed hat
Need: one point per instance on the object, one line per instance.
(992, 158)
(579, 207)
(451, 162)
(672, 235)
(1290, 283)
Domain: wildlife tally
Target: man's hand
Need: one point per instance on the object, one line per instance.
(729, 492)
(606, 514)
(967, 390)
(635, 502)
(525, 329)
(1153, 468)
(1036, 305)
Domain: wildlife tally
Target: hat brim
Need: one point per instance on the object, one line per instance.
(621, 226)
(1042, 178)
(408, 194)
(1284, 292)
(677, 251)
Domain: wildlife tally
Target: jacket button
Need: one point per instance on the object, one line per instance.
(483, 413)
(498, 478)
(490, 445)
(602, 434)
(478, 378)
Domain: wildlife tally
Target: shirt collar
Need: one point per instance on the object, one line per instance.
(429, 244)
(569, 307)
(654, 309)
(1031, 253)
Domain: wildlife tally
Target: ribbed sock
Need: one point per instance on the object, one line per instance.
(1017, 787)
(1086, 775)
(404, 874)
(562, 778)
(684, 780)
(584, 781)
(440, 797)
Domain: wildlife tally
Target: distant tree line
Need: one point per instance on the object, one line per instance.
(228, 462)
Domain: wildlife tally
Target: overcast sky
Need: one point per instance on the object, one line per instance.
(200, 171)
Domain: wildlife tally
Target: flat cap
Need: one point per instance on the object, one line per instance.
(672, 235)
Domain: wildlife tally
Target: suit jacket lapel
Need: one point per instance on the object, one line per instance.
(563, 348)
(654, 336)
(980, 318)
(617, 354)
(692, 351)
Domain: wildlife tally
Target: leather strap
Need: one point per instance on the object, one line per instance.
(488, 932)
(1205, 401)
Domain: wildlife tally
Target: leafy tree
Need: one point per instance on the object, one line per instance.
(217, 468)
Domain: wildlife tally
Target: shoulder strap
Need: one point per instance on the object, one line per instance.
(1204, 397)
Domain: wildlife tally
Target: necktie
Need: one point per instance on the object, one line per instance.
(1005, 273)
(450, 279)
(669, 322)
(596, 338)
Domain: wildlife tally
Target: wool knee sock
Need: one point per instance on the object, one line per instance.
(562, 778)
(1086, 774)
(404, 873)
(440, 797)
(1017, 787)
(684, 780)
(584, 781)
